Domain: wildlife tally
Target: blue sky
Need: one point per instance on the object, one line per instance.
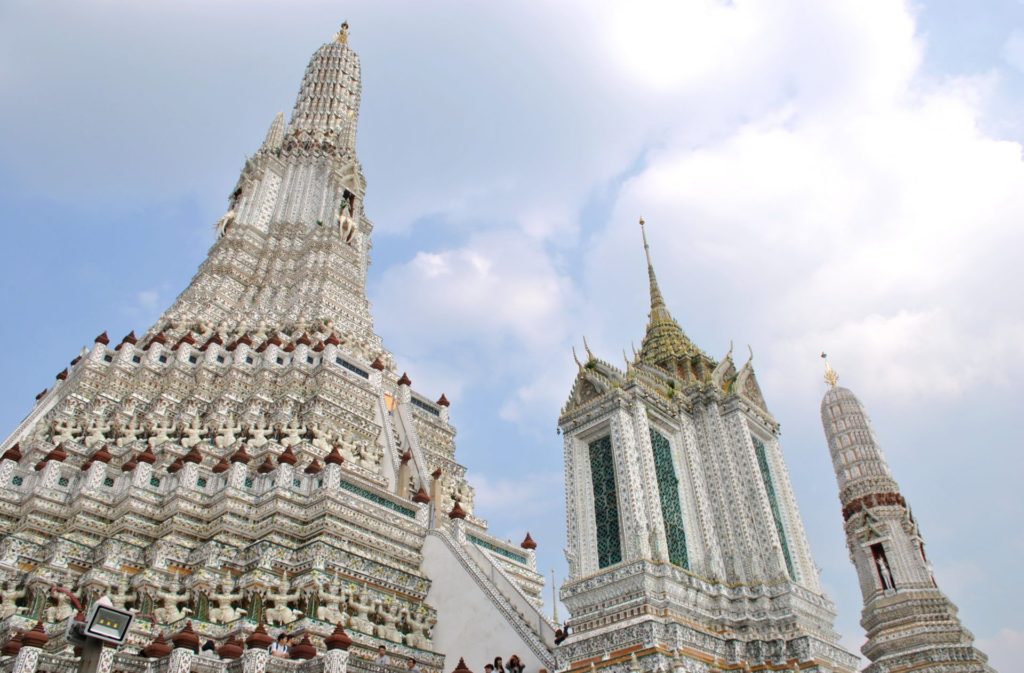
(831, 175)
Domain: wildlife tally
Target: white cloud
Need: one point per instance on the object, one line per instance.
(500, 291)
(148, 299)
(881, 233)
(1005, 649)
(531, 496)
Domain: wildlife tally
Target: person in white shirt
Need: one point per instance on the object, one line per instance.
(279, 648)
(382, 657)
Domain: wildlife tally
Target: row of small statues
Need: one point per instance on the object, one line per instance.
(336, 603)
(98, 432)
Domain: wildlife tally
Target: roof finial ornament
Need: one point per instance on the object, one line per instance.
(659, 312)
(831, 377)
(643, 233)
(342, 36)
(577, 359)
(590, 354)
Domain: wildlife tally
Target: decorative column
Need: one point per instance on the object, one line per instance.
(403, 475)
(457, 517)
(332, 469)
(8, 463)
(404, 389)
(186, 646)
(254, 660)
(336, 657)
(32, 643)
(435, 492)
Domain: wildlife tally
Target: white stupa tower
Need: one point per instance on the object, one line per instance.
(910, 624)
(254, 462)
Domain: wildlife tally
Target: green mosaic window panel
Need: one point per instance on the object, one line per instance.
(496, 549)
(153, 481)
(352, 368)
(248, 482)
(108, 482)
(425, 406)
(201, 482)
(769, 487)
(606, 502)
(373, 497)
(17, 481)
(63, 481)
(668, 490)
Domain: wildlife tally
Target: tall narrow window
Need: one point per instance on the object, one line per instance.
(769, 487)
(668, 491)
(606, 503)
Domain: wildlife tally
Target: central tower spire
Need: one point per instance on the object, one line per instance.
(664, 341)
(293, 248)
(657, 301)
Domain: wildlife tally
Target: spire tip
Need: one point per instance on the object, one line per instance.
(342, 36)
(831, 377)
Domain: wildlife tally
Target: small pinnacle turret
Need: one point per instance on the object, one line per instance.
(275, 134)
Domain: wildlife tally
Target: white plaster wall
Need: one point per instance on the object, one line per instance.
(468, 625)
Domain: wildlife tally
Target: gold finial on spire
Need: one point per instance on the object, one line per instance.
(342, 36)
(643, 233)
(831, 377)
(658, 309)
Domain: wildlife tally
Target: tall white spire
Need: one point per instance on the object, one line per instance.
(910, 624)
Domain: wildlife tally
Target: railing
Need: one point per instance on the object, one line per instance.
(532, 634)
(512, 592)
(130, 663)
(52, 663)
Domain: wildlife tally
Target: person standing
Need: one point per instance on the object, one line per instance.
(382, 656)
(514, 664)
